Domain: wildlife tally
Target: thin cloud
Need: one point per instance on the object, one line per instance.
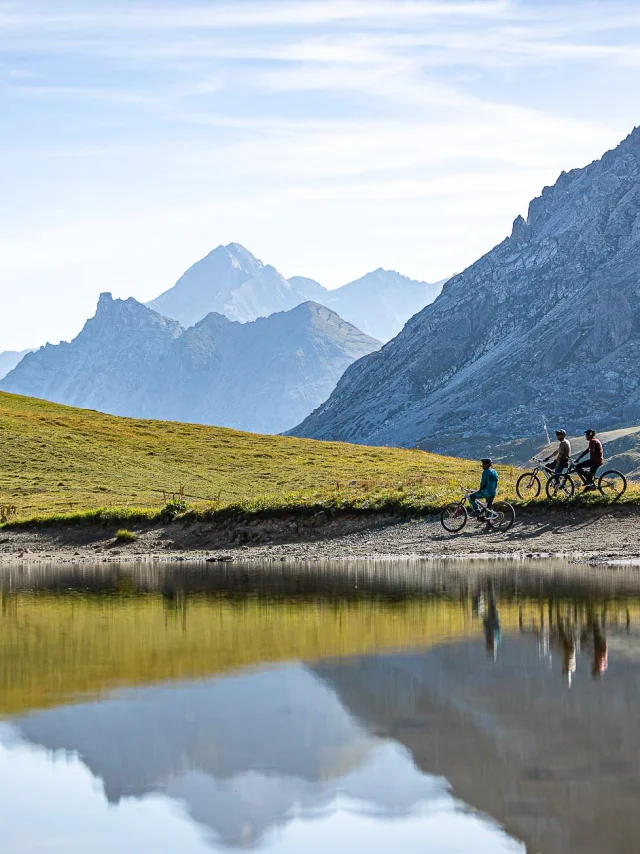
(177, 16)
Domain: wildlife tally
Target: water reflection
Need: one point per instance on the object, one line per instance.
(166, 711)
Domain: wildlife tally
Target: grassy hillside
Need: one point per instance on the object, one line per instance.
(59, 460)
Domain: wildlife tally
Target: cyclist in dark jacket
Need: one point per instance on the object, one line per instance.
(596, 458)
(488, 486)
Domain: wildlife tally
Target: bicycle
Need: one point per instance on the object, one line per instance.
(500, 516)
(611, 483)
(560, 485)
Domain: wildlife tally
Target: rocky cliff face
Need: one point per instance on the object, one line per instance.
(263, 376)
(9, 359)
(546, 325)
(103, 367)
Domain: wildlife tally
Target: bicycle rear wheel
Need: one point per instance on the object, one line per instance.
(454, 518)
(560, 487)
(505, 516)
(612, 484)
(528, 486)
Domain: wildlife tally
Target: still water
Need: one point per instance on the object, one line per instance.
(386, 708)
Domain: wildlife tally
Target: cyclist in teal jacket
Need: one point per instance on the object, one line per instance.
(488, 486)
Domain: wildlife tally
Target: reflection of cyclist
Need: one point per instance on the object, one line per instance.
(488, 486)
(491, 625)
(567, 638)
(596, 458)
(600, 651)
(561, 454)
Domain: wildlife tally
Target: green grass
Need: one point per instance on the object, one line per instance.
(124, 535)
(70, 466)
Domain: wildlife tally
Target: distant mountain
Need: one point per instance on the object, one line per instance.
(104, 366)
(545, 326)
(9, 359)
(381, 302)
(262, 376)
(233, 282)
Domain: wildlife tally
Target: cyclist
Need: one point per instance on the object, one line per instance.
(561, 454)
(596, 459)
(488, 486)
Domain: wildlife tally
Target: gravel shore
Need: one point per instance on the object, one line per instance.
(593, 534)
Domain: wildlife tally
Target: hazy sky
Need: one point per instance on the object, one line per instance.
(330, 137)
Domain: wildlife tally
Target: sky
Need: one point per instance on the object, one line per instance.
(329, 137)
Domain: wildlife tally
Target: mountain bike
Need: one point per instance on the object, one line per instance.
(561, 486)
(611, 483)
(500, 516)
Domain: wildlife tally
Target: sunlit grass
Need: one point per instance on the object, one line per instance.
(73, 466)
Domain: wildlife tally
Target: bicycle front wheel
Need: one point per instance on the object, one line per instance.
(560, 487)
(528, 486)
(612, 484)
(504, 517)
(454, 518)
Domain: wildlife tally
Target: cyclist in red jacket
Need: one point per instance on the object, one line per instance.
(596, 458)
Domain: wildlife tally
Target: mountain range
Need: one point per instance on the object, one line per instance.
(545, 328)
(263, 376)
(233, 282)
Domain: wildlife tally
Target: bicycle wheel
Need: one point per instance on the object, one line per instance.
(612, 484)
(505, 516)
(560, 487)
(528, 486)
(454, 518)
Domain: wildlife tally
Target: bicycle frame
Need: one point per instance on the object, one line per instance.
(542, 467)
(573, 469)
(485, 511)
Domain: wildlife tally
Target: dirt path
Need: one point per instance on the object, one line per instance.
(593, 534)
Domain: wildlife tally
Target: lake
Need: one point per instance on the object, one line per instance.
(381, 707)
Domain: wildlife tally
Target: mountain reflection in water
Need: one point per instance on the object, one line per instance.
(212, 717)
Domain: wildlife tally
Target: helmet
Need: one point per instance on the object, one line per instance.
(561, 432)
(487, 460)
(589, 432)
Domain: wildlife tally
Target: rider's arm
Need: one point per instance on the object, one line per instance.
(551, 456)
(583, 454)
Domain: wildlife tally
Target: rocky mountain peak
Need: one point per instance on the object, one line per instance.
(123, 314)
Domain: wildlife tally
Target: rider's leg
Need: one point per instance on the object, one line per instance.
(587, 471)
(490, 500)
(584, 470)
(473, 502)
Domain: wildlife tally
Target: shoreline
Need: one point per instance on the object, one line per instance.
(608, 536)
